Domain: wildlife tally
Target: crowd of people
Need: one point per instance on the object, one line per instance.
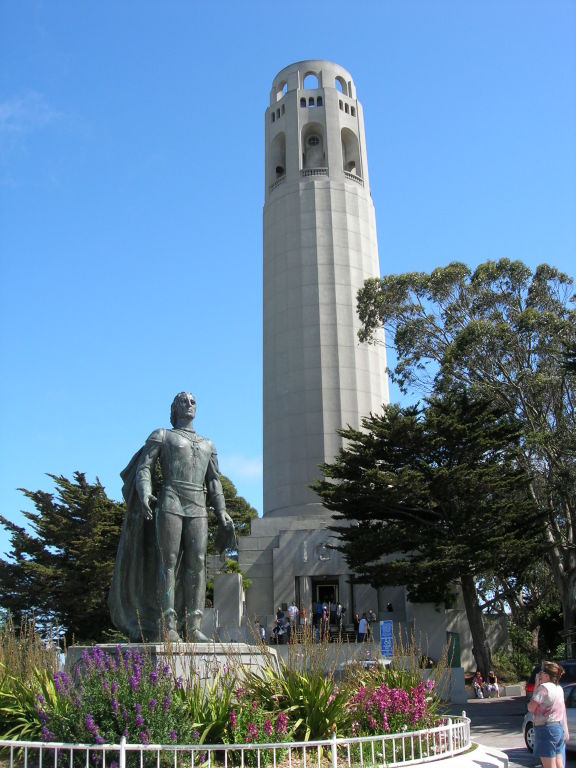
(290, 622)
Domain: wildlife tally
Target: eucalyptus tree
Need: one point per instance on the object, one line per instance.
(502, 331)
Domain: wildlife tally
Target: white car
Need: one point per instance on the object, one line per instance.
(570, 699)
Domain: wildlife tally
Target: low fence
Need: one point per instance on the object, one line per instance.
(450, 737)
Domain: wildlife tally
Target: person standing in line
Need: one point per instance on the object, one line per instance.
(293, 612)
(550, 724)
(363, 629)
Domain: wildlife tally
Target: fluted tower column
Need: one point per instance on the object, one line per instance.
(319, 247)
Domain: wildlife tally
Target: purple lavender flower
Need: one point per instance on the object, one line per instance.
(90, 724)
(153, 676)
(173, 735)
(151, 704)
(139, 721)
(166, 703)
(47, 735)
(62, 682)
(281, 724)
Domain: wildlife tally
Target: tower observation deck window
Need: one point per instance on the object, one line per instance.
(303, 102)
(313, 147)
(311, 101)
(319, 101)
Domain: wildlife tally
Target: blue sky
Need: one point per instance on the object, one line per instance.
(131, 192)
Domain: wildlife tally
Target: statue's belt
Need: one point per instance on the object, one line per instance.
(188, 494)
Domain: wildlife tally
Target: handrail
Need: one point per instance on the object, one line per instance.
(451, 737)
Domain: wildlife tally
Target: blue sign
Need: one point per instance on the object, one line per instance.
(386, 638)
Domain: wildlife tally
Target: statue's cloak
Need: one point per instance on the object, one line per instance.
(133, 598)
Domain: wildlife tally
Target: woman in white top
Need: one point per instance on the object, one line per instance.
(550, 725)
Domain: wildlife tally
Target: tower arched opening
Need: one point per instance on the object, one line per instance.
(277, 157)
(340, 85)
(281, 90)
(310, 81)
(350, 152)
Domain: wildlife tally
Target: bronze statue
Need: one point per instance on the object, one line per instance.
(159, 582)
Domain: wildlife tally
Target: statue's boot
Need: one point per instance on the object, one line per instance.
(169, 627)
(194, 624)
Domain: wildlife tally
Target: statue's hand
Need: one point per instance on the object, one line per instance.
(147, 510)
(225, 536)
(226, 521)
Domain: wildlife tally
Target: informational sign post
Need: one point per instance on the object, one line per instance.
(387, 638)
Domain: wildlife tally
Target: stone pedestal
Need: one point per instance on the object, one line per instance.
(202, 660)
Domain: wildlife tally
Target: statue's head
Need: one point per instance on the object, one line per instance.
(182, 403)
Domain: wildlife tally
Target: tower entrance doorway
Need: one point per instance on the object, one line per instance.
(325, 599)
(325, 591)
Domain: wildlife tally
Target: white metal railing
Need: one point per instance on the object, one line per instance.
(451, 737)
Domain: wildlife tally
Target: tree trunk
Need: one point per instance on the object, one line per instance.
(480, 647)
(568, 610)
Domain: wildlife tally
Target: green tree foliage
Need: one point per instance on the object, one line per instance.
(531, 605)
(431, 496)
(502, 331)
(60, 567)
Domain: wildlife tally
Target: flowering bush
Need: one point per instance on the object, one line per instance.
(391, 710)
(250, 723)
(125, 694)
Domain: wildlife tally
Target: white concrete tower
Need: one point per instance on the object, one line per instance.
(319, 247)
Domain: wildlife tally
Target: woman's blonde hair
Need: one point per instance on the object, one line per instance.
(553, 670)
